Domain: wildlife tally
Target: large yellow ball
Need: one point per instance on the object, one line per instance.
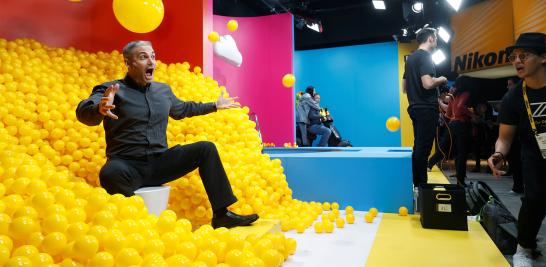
(232, 25)
(288, 80)
(393, 124)
(140, 16)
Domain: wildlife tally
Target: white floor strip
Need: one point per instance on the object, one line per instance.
(345, 247)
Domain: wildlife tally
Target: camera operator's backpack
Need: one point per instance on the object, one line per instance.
(501, 226)
(495, 218)
(477, 194)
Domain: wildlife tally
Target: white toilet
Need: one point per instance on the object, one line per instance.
(155, 198)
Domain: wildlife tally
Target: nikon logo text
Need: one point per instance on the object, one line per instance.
(475, 60)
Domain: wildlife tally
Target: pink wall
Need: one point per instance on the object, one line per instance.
(266, 44)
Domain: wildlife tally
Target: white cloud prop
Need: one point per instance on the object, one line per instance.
(226, 49)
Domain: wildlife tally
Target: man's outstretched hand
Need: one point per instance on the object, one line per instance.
(107, 101)
(225, 103)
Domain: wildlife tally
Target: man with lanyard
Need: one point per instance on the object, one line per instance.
(421, 86)
(523, 110)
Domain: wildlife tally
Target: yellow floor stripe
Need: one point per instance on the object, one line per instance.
(437, 177)
(259, 228)
(401, 241)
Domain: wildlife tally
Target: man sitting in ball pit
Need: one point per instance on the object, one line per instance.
(136, 142)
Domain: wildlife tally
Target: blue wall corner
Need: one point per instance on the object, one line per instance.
(359, 86)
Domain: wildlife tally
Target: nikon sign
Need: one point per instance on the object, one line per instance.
(483, 31)
(475, 60)
(481, 34)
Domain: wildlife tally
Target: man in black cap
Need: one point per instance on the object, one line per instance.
(421, 86)
(523, 111)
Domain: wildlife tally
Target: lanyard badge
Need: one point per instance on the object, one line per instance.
(540, 137)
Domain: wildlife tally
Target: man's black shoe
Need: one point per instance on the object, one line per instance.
(230, 220)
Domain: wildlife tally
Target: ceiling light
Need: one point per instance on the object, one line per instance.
(315, 26)
(379, 4)
(417, 7)
(438, 57)
(444, 34)
(455, 4)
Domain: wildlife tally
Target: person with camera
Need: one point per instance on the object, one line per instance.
(421, 85)
(523, 114)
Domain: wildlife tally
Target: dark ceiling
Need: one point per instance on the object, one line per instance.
(345, 22)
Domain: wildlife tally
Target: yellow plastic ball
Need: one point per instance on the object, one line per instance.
(403, 211)
(4, 254)
(328, 226)
(368, 217)
(54, 243)
(350, 218)
(340, 223)
(393, 124)
(234, 257)
(349, 210)
(319, 228)
(85, 247)
(326, 206)
(373, 211)
(290, 245)
(128, 257)
(6, 241)
(178, 260)
(139, 16)
(23, 226)
(207, 257)
(288, 80)
(232, 25)
(214, 37)
(102, 259)
(18, 261)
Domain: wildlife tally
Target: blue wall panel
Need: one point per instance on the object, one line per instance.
(359, 85)
(367, 177)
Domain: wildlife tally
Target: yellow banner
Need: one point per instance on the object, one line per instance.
(481, 34)
(529, 16)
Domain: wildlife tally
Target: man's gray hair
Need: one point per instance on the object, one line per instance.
(128, 48)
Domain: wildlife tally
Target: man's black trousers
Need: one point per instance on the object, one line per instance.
(533, 204)
(424, 122)
(461, 136)
(125, 176)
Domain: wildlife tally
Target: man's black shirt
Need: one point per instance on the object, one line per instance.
(513, 112)
(420, 63)
(143, 114)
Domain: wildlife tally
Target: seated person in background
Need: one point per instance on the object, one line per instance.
(305, 104)
(136, 141)
(315, 123)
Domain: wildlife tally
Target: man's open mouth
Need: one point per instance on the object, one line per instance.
(149, 73)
